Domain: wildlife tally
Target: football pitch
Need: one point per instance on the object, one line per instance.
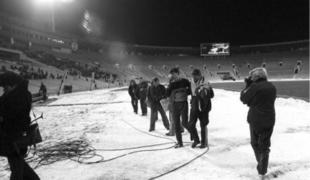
(285, 88)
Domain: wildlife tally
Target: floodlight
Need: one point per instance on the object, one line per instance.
(52, 1)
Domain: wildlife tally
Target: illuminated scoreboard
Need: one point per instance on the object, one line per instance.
(214, 49)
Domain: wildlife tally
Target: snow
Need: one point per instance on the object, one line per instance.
(106, 120)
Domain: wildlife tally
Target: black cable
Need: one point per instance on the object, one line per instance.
(176, 168)
(147, 133)
(80, 151)
(180, 166)
(80, 104)
(137, 147)
(133, 152)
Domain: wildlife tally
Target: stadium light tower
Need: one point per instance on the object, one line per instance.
(51, 5)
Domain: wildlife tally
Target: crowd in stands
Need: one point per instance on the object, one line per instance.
(74, 68)
(276, 57)
(31, 73)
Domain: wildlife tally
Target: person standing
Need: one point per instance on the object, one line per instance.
(133, 92)
(14, 110)
(171, 121)
(157, 92)
(142, 95)
(181, 88)
(202, 93)
(260, 95)
(43, 91)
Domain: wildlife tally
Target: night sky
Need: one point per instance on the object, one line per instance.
(183, 22)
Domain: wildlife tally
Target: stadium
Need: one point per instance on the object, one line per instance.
(87, 125)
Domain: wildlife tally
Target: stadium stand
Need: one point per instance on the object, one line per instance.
(40, 55)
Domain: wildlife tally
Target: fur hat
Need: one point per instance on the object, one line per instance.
(258, 73)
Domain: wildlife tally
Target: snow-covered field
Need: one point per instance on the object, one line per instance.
(105, 119)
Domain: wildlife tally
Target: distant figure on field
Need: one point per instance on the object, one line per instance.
(157, 92)
(142, 94)
(133, 92)
(297, 68)
(43, 91)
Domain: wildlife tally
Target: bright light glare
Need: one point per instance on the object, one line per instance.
(52, 1)
(66, 1)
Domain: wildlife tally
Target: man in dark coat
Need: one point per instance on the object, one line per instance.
(15, 109)
(133, 92)
(181, 88)
(202, 93)
(142, 94)
(260, 96)
(157, 92)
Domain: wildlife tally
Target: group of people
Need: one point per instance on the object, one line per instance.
(259, 95)
(176, 96)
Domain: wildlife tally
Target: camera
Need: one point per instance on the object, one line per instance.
(248, 81)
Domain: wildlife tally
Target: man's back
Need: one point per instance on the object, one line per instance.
(260, 97)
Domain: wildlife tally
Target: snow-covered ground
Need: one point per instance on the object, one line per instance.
(106, 120)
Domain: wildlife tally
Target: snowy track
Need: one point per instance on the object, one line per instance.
(106, 120)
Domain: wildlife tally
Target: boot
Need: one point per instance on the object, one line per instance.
(204, 137)
(263, 163)
(170, 134)
(178, 146)
(195, 143)
(202, 146)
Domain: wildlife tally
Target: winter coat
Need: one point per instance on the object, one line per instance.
(142, 90)
(133, 91)
(15, 108)
(202, 93)
(182, 88)
(260, 96)
(155, 94)
(171, 99)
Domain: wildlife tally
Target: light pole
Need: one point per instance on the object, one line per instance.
(51, 6)
(52, 16)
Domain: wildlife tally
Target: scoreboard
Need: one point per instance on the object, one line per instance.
(214, 49)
